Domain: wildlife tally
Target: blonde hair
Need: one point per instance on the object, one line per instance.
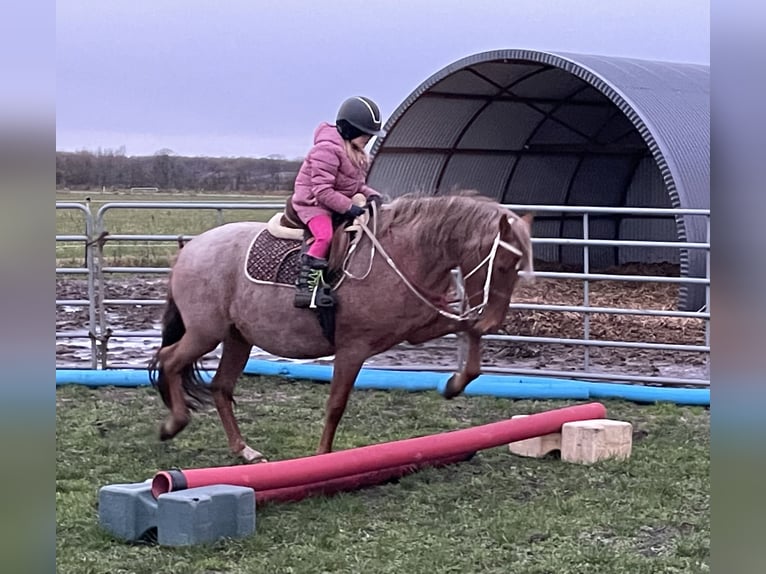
(358, 156)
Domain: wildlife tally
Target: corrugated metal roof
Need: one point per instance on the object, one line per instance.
(480, 172)
(537, 127)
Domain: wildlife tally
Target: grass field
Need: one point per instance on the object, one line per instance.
(495, 513)
(153, 221)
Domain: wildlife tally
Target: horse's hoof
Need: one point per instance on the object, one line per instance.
(449, 392)
(166, 434)
(171, 428)
(251, 456)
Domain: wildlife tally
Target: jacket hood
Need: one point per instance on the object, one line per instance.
(327, 133)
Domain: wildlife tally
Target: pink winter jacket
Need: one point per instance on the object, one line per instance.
(327, 178)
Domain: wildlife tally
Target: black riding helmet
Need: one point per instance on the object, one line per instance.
(357, 116)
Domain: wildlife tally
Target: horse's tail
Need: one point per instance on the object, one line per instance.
(196, 390)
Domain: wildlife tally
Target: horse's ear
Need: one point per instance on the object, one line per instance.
(505, 226)
(506, 222)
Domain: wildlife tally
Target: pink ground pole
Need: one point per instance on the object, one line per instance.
(356, 461)
(349, 483)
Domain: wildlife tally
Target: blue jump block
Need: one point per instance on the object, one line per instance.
(194, 516)
(128, 511)
(205, 514)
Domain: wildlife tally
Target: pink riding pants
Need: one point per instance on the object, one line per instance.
(321, 228)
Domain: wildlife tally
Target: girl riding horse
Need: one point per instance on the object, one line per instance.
(333, 172)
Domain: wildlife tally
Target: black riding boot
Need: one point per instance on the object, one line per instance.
(309, 275)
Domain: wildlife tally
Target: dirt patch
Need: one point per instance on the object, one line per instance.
(653, 541)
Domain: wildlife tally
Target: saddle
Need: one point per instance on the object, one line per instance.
(274, 256)
(287, 224)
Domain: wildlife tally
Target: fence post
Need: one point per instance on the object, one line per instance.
(707, 295)
(103, 336)
(89, 264)
(586, 288)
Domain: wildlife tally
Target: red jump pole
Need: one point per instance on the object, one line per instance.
(348, 483)
(355, 461)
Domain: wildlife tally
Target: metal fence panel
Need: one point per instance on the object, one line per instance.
(99, 332)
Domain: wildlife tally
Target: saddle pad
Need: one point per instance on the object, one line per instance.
(273, 260)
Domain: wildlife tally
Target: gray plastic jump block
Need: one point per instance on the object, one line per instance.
(192, 516)
(128, 511)
(205, 514)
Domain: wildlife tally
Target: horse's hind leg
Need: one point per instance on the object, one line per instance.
(235, 353)
(177, 362)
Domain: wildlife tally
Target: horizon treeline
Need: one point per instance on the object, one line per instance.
(113, 169)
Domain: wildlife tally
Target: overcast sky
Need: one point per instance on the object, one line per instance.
(253, 78)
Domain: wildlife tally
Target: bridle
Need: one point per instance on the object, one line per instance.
(466, 312)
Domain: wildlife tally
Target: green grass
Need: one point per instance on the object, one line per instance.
(148, 221)
(495, 513)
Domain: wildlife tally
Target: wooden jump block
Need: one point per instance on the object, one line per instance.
(590, 441)
(536, 447)
(583, 442)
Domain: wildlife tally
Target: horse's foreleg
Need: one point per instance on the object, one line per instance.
(469, 369)
(233, 359)
(344, 374)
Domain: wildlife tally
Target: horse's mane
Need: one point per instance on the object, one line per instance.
(442, 220)
(447, 224)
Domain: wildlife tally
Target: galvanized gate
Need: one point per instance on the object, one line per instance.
(99, 333)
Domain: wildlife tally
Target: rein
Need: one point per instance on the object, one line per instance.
(468, 313)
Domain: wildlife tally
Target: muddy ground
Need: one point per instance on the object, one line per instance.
(135, 352)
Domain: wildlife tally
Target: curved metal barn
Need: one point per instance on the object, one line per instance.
(530, 127)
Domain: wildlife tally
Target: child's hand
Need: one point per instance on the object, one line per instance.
(355, 211)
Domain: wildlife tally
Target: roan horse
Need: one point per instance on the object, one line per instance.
(396, 288)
